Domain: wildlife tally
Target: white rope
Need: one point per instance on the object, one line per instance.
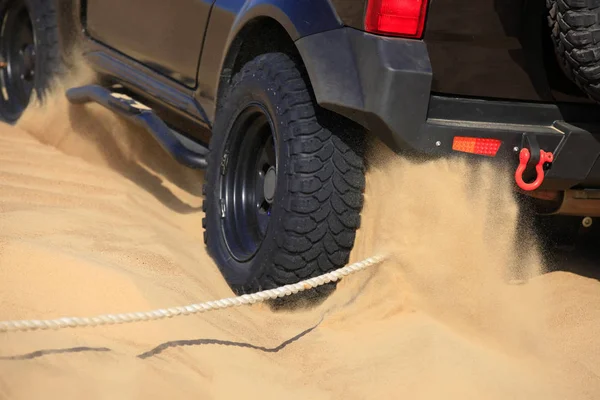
(110, 319)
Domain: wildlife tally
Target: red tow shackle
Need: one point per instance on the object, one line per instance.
(524, 156)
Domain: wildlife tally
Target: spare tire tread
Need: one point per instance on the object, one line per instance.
(575, 26)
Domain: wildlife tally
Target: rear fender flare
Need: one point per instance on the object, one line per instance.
(299, 18)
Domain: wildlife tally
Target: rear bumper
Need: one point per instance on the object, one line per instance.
(575, 144)
(385, 84)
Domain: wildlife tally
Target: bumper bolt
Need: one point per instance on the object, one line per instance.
(587, 222)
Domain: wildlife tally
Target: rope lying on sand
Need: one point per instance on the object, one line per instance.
(110, 319)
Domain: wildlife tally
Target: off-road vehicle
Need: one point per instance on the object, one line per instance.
(276, 97)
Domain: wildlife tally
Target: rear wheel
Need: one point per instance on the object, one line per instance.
(576, 35)
(284, 186)
(29, 53)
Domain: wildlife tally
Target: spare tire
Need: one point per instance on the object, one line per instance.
(575, 28)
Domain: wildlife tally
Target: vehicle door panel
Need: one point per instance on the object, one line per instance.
(165, 35)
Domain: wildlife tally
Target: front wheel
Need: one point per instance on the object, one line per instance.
(29, 53)
(284, 186)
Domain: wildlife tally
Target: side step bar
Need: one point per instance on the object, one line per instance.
(141, 115)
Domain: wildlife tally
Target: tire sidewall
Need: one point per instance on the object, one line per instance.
(251, 90)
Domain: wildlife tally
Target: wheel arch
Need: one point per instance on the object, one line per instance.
(249, 42)
(255, 27)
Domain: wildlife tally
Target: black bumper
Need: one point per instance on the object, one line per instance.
(384, 84)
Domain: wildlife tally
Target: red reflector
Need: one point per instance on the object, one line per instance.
(484, 147)
(396, 17)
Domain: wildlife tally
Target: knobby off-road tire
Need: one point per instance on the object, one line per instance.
(41, 16)
(575, 28)
(319, 182)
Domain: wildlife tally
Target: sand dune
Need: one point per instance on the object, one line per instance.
(94, 218)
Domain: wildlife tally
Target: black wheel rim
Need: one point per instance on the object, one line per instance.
(248, 182)
(17, 58)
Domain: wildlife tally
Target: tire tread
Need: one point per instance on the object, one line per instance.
(575, 26)
(326, 175)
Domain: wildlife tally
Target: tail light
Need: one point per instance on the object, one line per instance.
(481, 146)
(396, 17)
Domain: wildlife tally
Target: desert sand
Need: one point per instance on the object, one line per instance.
(94, 219)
